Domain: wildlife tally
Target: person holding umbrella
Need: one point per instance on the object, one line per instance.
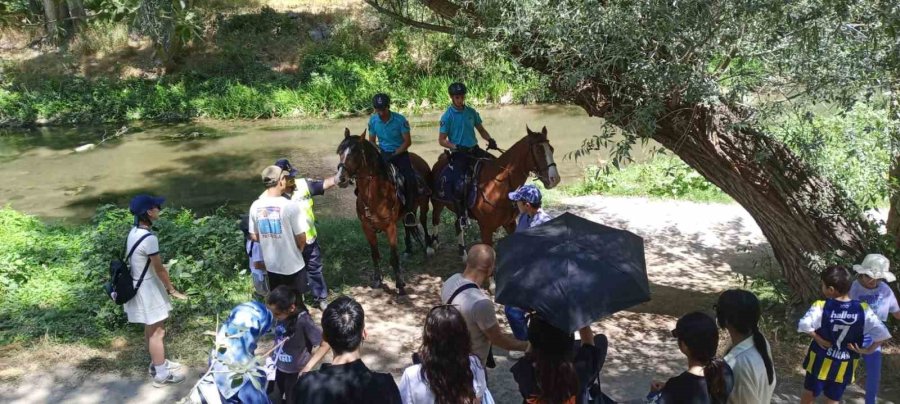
(528, 201)
(548, 373)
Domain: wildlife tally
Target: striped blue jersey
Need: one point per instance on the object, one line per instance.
(841, 323)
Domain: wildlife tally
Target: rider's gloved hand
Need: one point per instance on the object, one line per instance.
(492, 144)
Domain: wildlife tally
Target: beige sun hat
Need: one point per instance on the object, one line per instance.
(876, 266)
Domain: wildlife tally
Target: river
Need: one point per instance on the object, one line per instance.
(42, 174)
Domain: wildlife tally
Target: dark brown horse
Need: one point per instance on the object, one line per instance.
(377, 204)
(497, 178)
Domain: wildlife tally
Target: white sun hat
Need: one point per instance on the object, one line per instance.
(876, 266)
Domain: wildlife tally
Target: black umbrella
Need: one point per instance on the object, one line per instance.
(572, 271)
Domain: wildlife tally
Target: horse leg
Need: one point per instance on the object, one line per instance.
(423, 223)
(436, 222)
(372, 238)
(487, 233)
(395, 260)
(407, 240)
(461, 241)
(510, 227)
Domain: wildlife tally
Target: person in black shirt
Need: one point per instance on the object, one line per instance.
(708, 379)
(550, 364)
(347, 379)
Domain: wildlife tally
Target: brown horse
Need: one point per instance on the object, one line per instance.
(497, 178)
(377, 204)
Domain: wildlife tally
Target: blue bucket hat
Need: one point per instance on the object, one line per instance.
(142, 203)
(285, 165)
(528, 193)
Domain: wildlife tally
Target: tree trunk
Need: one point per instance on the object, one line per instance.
(52, 23)
(804, 216)
(893, 221)
(76, 11)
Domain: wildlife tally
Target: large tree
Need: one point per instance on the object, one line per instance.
(703, 79)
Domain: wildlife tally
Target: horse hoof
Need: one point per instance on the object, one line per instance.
(401, 291)
(429, 252)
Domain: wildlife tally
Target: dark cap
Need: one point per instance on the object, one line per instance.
(457, 89)
(142, 203)
(285, 165)
(381, 101)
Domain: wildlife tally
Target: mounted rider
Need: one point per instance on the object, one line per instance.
(457, 133)
(390, 131)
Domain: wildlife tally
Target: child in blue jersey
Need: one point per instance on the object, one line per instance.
(837, 326)
(869, 288)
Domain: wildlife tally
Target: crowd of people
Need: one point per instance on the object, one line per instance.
(459, 334)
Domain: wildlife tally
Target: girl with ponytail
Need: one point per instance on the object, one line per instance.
(738, 312)
(708, 379)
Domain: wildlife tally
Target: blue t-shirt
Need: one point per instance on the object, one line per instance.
(527, 222)
(390, 133)
(459, 125)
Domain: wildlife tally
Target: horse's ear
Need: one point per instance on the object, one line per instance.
(544, 131)
(364, 133)
(527, 129)
(346, 133)
(362, 137)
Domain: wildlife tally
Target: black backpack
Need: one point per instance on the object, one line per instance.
(121, 287)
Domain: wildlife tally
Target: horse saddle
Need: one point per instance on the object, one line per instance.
(400, 185)
(455, 183)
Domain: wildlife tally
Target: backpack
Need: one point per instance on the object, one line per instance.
(121, 287)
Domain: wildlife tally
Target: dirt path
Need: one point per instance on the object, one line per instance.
(693, 251)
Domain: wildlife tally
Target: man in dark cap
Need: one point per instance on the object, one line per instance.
(457, 133)
(390, 131)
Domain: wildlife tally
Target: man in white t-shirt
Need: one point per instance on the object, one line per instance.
(476, 307)
(280, 228)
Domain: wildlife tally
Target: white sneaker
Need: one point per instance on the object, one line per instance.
(173, 378)
(169, 365)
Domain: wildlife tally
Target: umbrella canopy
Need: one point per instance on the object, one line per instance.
(572, 271)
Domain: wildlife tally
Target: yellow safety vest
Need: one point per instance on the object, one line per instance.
(303, 198)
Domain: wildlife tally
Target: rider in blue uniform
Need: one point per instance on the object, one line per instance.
(457, 133)
(390, 131)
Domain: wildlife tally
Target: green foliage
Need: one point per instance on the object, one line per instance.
(851, 148)
(662, 177)
(337, 76)
(51, 276)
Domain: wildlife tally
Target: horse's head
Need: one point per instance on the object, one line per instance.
(348, 152)
(542, 158)
(356, 155)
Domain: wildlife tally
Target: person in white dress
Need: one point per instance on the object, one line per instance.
(150, 305)
(447, 372)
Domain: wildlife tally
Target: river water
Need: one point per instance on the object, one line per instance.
(42, 175)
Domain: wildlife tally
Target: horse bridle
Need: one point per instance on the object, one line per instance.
(536, 160)
(351, 177)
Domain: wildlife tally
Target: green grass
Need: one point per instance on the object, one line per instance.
(662, 178)
(51, 277)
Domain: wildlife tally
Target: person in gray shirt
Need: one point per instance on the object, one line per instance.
(465, 292)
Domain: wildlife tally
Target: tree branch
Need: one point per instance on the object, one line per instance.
(409, 21)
